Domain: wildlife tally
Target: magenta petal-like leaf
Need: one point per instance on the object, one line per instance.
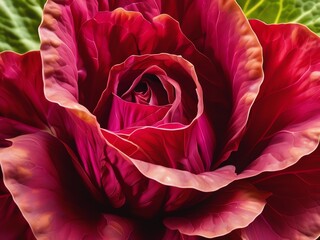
(206, 182)
(233, 207)
(293, 210)
(70, 127)
(21, 89)
(284, 122)
(12, 224)
(51, 195)
(58, 33)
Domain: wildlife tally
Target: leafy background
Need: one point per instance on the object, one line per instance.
(282, 11)
(19, 19)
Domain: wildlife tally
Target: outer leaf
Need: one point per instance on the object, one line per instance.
(232, 207)
(19, 21)
(21, 89)
(281, 11)
(12, 223)
(293, 210)
(284, 121)
(51, 195)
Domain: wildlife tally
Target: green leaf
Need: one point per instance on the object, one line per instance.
(19, 21)
(306, 12)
